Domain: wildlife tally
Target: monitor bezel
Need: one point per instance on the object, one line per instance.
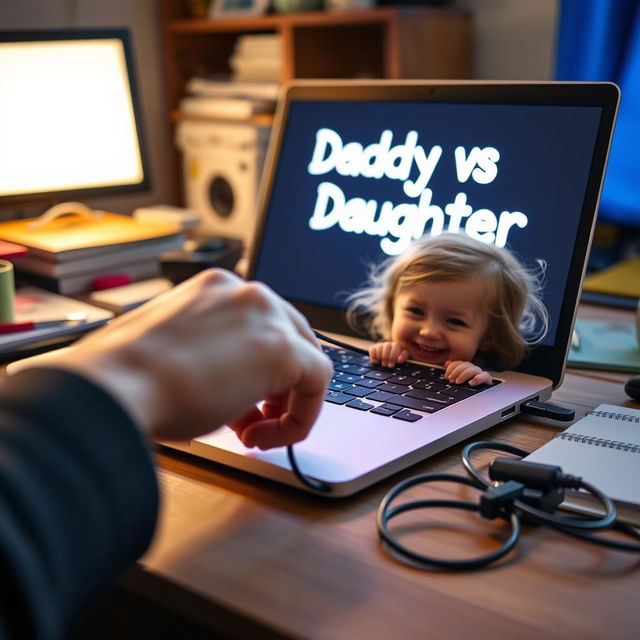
(122, 34)
(548, 361)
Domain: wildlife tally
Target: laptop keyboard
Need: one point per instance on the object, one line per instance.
(397, 392)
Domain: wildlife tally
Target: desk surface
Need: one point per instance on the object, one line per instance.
(258, 559)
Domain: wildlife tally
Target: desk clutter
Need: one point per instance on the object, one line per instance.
(71, 254)
(69, 274)
(529, 487)
(608, 346)
(55, 320)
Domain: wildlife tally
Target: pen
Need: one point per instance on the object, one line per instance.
(575, 340)
(30, 325)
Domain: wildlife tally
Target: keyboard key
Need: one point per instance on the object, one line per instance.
(358, 404)
(360, 392)
(337, 398)
(381, 396)
(348, 377)
(460, 392)
(422, 372)
(393, 388)
(432, 385)
(352, 368)
(386, 409)
(378, 374)
(415, 403)
(338, 386)
(431, 396)
(370, 383)
(407, 416)
(402, 379)
(351, 358)
(362, 359)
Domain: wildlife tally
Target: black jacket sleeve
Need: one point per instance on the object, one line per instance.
(78, 498)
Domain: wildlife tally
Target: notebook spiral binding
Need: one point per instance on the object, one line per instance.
(615, 416)
(600, 442)
(603, 442)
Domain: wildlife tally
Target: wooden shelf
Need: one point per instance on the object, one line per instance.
(385, 42)
(379, 15)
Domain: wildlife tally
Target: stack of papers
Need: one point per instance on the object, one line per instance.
(38, 305)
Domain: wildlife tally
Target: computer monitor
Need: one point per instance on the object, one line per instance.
(70, 124)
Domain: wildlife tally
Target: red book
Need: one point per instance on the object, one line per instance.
(11, 250)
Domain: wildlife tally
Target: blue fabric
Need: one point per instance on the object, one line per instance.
(599, 40)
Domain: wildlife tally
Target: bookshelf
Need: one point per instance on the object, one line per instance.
(417, 41)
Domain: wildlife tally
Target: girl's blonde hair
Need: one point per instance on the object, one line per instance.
(517, 316)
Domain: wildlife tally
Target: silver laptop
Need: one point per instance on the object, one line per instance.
(344, 149)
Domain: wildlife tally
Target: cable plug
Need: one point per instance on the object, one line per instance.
(547, 410)
(498, 500)
(531, 474)
(544, 483)
(567, 481)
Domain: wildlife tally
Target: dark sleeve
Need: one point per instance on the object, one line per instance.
(78, 498)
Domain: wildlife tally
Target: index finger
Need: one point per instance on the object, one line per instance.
(303, 403)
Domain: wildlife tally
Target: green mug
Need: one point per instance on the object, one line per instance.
(7, 292)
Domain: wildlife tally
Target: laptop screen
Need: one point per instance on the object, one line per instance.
(355, 177)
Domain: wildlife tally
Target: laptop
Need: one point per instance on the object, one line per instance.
(344, 150)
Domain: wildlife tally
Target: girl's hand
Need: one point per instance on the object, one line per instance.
(388, 354)
(458, 371)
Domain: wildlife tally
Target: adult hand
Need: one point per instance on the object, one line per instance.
(204, 354)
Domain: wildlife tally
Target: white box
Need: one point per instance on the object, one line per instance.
(222, 165)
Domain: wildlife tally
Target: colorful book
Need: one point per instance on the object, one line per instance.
(74, 237)
(100, 263)
(621, 279)
(83, 282)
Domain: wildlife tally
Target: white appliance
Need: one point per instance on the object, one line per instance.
(222, 164)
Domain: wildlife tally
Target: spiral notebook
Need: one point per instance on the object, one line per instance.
(604, 449)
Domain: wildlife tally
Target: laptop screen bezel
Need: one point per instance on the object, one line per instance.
(548, 361)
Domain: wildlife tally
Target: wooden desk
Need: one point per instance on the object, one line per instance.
(260, 560)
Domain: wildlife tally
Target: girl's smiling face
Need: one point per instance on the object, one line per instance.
(441, 321)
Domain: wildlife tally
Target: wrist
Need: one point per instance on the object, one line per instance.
(124, 377)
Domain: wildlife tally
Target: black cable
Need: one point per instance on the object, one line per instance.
(307, 481)
(618, 545)
(385, 513)
(339, 343)
(538, 515)
(503, 500)
(314, 483)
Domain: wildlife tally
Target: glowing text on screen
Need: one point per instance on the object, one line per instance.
(398, 224)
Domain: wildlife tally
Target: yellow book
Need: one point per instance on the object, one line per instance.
(622, 279)
(70, 237)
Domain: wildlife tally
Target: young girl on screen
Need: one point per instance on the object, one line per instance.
(453, 301)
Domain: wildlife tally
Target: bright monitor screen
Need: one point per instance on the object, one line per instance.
(68, 115)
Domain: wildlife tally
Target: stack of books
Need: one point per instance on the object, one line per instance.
(251, 90)
(69, 255)
(257, 58)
